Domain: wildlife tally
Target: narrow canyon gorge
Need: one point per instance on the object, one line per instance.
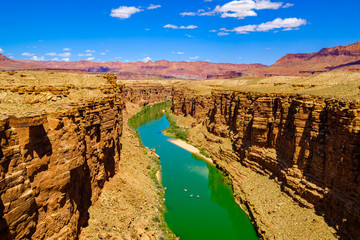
(311, 145)
(55, 162)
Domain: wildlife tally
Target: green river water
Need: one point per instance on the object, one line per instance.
(214, 215)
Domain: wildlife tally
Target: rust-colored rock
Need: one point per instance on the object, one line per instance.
(311, 144)
(340, 58)
(144, 93)
(53, 167)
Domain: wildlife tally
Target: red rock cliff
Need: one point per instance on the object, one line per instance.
(311, 144)
(143, 93)
(53, 167)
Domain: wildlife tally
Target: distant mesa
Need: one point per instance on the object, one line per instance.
(340, 58)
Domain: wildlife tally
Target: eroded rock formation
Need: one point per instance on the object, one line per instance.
(53, 166)
(143, 93)
(311, 144)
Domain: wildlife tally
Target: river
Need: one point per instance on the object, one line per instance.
(211, 212)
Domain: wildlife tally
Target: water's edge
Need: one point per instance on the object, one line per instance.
(220, 201)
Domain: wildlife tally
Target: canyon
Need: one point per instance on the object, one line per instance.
(309, 144)
(62, 138)
(61, 147)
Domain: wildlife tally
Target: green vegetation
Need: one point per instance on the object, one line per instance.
(160, 219)
(197, 157)
(227, 180)
(148, 113)
(204, 152)
(174, 129)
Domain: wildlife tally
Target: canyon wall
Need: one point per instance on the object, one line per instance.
(144, 92)
(311, 144)
(54, 165)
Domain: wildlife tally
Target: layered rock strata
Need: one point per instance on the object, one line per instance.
(145, 92)
(53, 166)
(311, 144)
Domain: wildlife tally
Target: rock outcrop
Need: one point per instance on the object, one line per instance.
(54, 165)
(311, 144)
(145, 92)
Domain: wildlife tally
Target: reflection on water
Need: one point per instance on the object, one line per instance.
(222, 195)
(214, 215)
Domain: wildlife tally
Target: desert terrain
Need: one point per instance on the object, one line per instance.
(289, 144)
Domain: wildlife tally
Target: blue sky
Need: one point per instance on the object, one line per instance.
(241, 31)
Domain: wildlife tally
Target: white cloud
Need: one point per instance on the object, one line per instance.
(55, 59)
(180, 53)
(286, 24)
(84, 54)
(103, 53)
(245, 29)
(188, 35)
(267, 4)
(153, 6)
(288, 5)
(66, 49)
(64, 55)
(90, 58)
(27, 54)
(188, 14)
(51, 54)
(213, 31)
(223, 34)
(207, 0)
(90, 51)
(180, 27)
(238, 9)
(54, 54)
(145, 59)
(193, 58)
(66, 59)
(11, 57)
(124, 12)
(1, 50)
(36, 58)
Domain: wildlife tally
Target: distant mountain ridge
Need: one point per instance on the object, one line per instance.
(340, 58)
(192, 70)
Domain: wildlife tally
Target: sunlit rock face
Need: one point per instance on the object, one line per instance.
(311, 144)
(54, 165)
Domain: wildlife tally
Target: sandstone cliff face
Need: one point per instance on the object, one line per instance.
(143, 93)
(311, 144)
(53, 166)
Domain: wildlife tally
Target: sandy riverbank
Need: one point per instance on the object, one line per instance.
(190, 148)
